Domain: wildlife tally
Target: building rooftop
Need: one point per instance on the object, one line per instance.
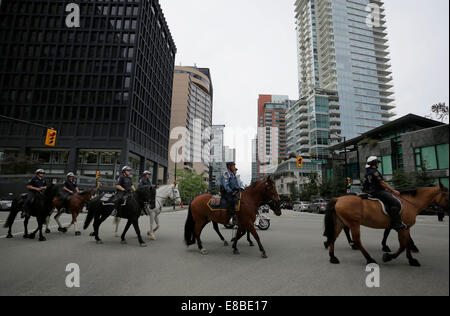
(409, 123)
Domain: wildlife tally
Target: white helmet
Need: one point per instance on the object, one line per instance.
(40, 171)
(70, 174)
(126, 168)
(146, 172)
(371, 161)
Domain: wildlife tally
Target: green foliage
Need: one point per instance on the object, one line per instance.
(416, 179)
(440, 111)
(422, 179)
(310, 189)
(190, 184)
(368, 141)
(20, 164)
(402, 180)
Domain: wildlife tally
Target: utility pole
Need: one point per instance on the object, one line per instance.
(175, 176)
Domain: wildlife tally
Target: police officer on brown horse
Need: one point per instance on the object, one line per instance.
(230, 189)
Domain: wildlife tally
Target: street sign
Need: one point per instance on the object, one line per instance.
(50, 140)
(319, 161)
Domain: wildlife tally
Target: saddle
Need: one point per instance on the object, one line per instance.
(107, 199)
(367, 196)
(217, 203)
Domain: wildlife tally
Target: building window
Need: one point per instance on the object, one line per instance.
(386, 165)
(432, 157)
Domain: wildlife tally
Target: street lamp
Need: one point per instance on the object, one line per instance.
(345, 150)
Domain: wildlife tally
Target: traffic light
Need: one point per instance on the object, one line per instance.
(97, 175)
(50, 140)
(299, 162)
(349, 182)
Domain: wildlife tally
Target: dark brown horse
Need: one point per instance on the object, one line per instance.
(75, 205)
(353, 211)
(201, 214)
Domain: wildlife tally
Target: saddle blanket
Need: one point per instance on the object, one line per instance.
(107, 199)
(366, 196)
(216, 203)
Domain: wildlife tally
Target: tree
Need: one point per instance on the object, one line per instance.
(310, 189)
(190, 184)
(422, 179)
(440, 111)
(20, 164)
(401, 180)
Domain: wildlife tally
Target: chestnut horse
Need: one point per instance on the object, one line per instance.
(352, 211)
(200, 214)
(75, 205)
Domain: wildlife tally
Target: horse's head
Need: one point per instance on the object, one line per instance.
(175, 195)
(441, 199)
(271, 195)
(87, 195)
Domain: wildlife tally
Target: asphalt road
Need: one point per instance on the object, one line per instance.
(297, 264)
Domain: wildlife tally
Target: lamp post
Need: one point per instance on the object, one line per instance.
(345, 152)
(175, 176)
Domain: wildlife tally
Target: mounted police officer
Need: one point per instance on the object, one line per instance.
(70, 188)
(375, 185)
(145, 181)
(35, 186)
(230, 189)
(124, 187)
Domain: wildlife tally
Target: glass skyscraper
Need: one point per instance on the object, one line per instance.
(343, 49)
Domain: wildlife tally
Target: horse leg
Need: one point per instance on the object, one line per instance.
(127, 226)
(240, 232)
(403, 238)
(156, 221)
(138, 232)
(60, 227)
(250, 242)
(338, 230)
(74, 220)
(384, 242)
(252, 230)
(41, 221)
(412, 261)
(116, 222)
(412, 246)
(356, 234)
(47, 222)
(25, 225)
(151, 231)
(98, 220)
(197, 232)
(216, 228)
(349, 238)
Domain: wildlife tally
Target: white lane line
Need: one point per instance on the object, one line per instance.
(21, 233)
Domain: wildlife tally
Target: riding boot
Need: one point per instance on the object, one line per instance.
(230, 212)
(396, 221)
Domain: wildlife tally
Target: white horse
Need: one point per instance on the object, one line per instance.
(162, 194)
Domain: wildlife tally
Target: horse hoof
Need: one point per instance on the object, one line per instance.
(99, 242)
(9, 236)
(251, 244)
(77, 233)
(153, 238)
(26, 236)
(236, 252)
(414, 263)
(204, 252)
(225, 243)
(263, 255)
(47, 231)
(386, 249)
(42, 238)
(334, 260)
(92, 234)
(414, 249)
(387, 257)
(143, 245)
(32, 236)
(60, 229)
(325, 244)
(123, 242)
(354, 247)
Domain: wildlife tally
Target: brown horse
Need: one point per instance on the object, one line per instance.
(353, 211)
(75, 205)
(201, 214)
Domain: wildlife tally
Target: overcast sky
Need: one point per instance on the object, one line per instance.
(250, 47)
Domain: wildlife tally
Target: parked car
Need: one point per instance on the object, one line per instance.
(5, 205)
(286, 205)
(318, 206)
(301, 206)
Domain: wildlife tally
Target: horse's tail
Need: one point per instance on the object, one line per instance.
(91, 207)
(330, 221)
(14, 210)
(189, 227)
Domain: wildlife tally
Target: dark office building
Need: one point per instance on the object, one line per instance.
(106, 86)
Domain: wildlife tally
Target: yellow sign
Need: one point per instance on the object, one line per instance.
(299, 162)
(50, 140)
